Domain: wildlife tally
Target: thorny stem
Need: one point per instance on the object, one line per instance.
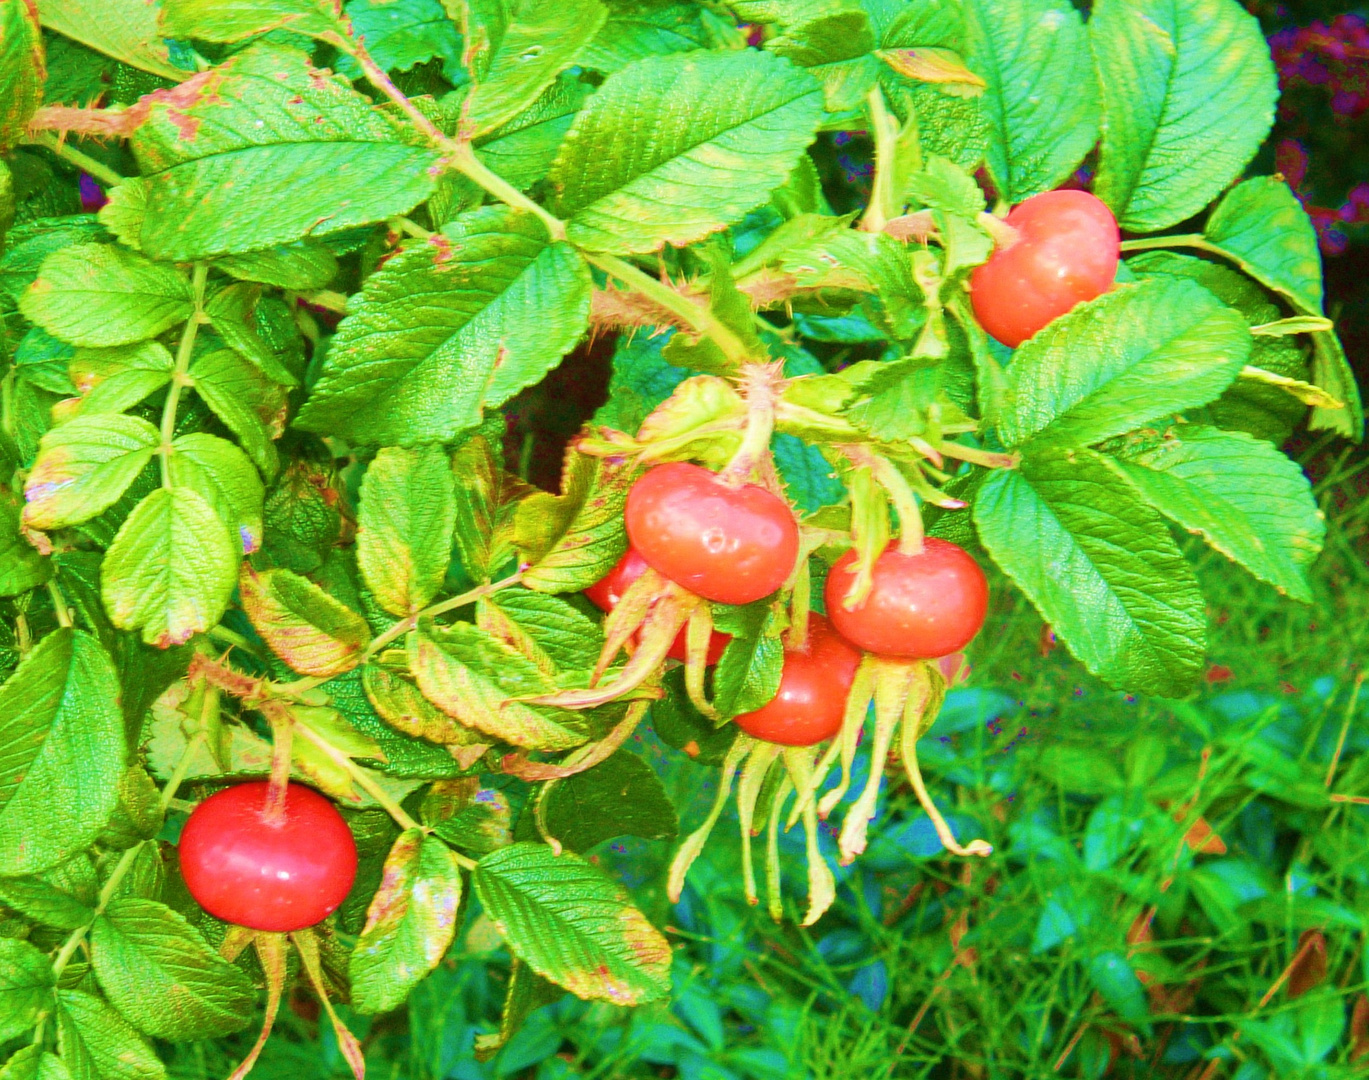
(405, 625)
(761, 385)
(180, 377)
(49, 140)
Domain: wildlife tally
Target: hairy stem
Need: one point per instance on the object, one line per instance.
(49, 140)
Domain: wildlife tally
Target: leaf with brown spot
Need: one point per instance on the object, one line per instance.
(405, 525)
(401, 704)
(308, 629)
(1309, 966)
(467, 815)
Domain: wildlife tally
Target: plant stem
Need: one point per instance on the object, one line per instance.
(405, 625)
(1182, 240)
(59, 603)
(882, 195)
(180, 377)
(462, 158)
(48, 140)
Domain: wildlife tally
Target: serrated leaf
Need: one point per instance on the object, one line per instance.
(673, 148)
(250, 405)
(749, 670)
(61, 751)
(21, 566)
(572, 924)
(84, 466)
(399, 36)
(163, 977)
(302, 265)
(1332, 372)
(1041, 96)
(1134, 355)
(234, 20)
(467, 815)
(571, 540)
(472, 676)
(105, 294)
(1247, 499)
(63, 897)
(230, 313)
(115, 379)
(486, 501)
(399, 702)
(515, 48)
(99, 1044)
(551, 632)
(450, 328)
(21, 69)
(405, 526)
(1188, 91)
(124, 29)
(26, 982)
(1261, 225)
(302, 515)
(522, 149)
(621, 796)
(1100, 566)
(836, 48)
(227, 480)
(265, 149)
(171, 568)
(410, 923)
(308, 629)
(635, 31)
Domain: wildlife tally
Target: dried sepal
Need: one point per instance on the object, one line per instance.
(892, 682)
(749, 786)
(306, 942)
(271, 953)
(698, 636)
(695, 841)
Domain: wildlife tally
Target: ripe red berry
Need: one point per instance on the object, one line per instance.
(732, 545)
(1066, 253)
(277, 876)
(920, 606)
(813, 688)
(608, 590)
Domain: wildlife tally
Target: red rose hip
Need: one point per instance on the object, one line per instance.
(920, 606)
(1066, 253)
(813, 686)
(608, 590)
(731, 545)
(277, 876)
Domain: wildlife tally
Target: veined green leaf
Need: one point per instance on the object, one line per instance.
(1188, 92)
(265, 149)
(251, 406)
(99, 1044)
(634, 31)
(28, 245)
(1100, 565)
(84, 466)
(225, 478)
(61, 751)
(1246, 498)
(486, 502)
(1261, 225)
(572, 924)
(748, 672)
(405, 527)
(515, 49)
(230, 313)
(1134, 355)
(450, 328)
(21, 70)
(21, 566)
(308, 629)
(400, 703)
(171, 568)
(234, 20)
(620, 796)
(554, 634)
(836, 48)
(673, 148)
(26, 983)
(161, 974)
(410, 923)
(124, 29)
(114, 379)
(571, 540)
(105, 294)
(466, 815)
(1333, 373)
(1041, 98)
(523, 149)
(64, 896)
(303, 265)
(399, 36)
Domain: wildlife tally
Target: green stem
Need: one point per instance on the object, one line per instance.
(409, 228)
(59, 603)
(462, 157)
(7, 402)
(1182, 240)
(405, 625)
(48, 140)
(180, 377)
(882, 194)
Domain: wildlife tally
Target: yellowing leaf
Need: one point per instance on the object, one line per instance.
(308, 629)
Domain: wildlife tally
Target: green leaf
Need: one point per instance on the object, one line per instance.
(99, 1044)
(557, 635)
(486, 501)
(52, 898)
(570, 541)
(225, 478)
(405, 526)
(104, 294)
(1120, 988)
(572, 924)
(303, 265)
(398, 701)
(515, 49)
(1261, 226)
(410, 923)
(265, 149)
(26, 982)
(308, 629)
(220, 21)
(837, 48)
(61, 751)
(748, 673)
(230, 313)
(21, 70)
(250, 405)
(406, 758)
(171, 568)
(681, 725)
(21, 566)
(124, 29)
(28, 245)
(84, 466)
(634, 31)
(473, 676)
(620, 796)
(1041, 98)
(673, 148)
(1099, 565)
(467, 815)
(1333, 373)
(522, 150)
(158, 971)
(527, 991)
(115, 379)
(1244, 497)
(449, 328)
(303, 521)
(400, 35)
(1134, 355)
(1188, 95)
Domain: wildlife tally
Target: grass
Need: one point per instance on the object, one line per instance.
(1175, 891)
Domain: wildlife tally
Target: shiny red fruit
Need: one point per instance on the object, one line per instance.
(813, 688)
(920, 606)
(1066, 253)
(732, 545)
(268, 876)
(608, 590)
